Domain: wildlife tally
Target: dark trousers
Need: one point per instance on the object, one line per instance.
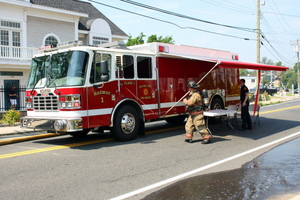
(246, 117)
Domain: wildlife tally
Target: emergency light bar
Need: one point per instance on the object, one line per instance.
(163, 49)
(58, 46)
(235, 57)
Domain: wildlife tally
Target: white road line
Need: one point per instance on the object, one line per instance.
(176, 178)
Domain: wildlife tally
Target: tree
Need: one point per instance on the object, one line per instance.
(267, 61)
(244, 72)
(289, 77)
(153, 38)
(167, 39)
(135, 41)
(279, 63)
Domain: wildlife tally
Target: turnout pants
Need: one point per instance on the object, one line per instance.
(196, 122)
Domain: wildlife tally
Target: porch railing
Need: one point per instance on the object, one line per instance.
(19, 53)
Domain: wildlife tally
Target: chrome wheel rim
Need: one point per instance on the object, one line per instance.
(128, 123)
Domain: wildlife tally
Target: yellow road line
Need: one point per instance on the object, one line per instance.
(53, 148)
(70, 145)
(279, 110)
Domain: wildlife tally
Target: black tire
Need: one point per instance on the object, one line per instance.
(82, 133)
(126, 124)
(176, 120)
(216, 104)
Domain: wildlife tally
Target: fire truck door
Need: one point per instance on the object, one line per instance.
(101, 94)
(125, 75)
(147, 86)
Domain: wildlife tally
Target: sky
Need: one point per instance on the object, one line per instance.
(279, 23)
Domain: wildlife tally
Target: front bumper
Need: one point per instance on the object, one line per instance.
(53, 124)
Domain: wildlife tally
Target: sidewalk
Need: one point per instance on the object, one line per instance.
(15, 134)
(16, 130)
(279, 99)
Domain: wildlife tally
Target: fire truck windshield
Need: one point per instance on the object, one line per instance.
(58, 70)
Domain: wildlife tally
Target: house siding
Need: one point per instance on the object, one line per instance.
(38, 28)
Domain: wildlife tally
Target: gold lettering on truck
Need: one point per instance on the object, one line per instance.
(45, 90)
(101, 92)
(143, 86)
(128, 83)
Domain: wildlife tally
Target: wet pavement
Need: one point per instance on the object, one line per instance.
(273, 175)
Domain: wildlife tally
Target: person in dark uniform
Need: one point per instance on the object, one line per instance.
(244, 97)
(12, 93)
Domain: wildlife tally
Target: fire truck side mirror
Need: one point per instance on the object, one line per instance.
(104, 71)
(101, 72)
(104, 67)
(104, 77)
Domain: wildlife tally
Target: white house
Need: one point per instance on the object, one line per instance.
(26, 25)
(251, 81)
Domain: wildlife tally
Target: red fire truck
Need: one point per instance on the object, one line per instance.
(113, 87)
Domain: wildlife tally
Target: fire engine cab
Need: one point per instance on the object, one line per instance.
(76, 89)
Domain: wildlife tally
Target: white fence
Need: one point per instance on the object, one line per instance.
(19, 53)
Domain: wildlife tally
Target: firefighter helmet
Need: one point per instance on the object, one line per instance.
(193, 84)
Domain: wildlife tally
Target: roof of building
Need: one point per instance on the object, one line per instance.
(82, 7)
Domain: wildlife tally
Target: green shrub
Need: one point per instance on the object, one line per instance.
(10, 117)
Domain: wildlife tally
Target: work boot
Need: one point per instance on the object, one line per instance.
(206, 139)
(188, 137)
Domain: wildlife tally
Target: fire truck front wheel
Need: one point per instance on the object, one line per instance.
(126, 124)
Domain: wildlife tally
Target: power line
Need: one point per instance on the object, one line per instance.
(192, 28)
(232, 6)
(274, 13)
(272, 33)
(181, 27)
(281, 16)
(276, 51)
(185, 16)
(192, 18)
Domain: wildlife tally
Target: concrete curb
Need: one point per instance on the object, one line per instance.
(26, 138)
(21, 132)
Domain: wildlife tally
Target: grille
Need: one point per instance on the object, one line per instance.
(45, 103)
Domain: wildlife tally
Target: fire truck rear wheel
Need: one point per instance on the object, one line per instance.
(126, 124)
(216, 104)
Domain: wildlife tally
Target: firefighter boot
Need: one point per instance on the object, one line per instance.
(206, 139)
(189, 138)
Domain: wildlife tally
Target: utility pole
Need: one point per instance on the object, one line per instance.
(296, 44)
(258, 32)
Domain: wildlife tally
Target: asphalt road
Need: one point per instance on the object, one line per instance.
(98, 167)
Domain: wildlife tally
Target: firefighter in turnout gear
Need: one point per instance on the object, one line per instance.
(196, 118)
